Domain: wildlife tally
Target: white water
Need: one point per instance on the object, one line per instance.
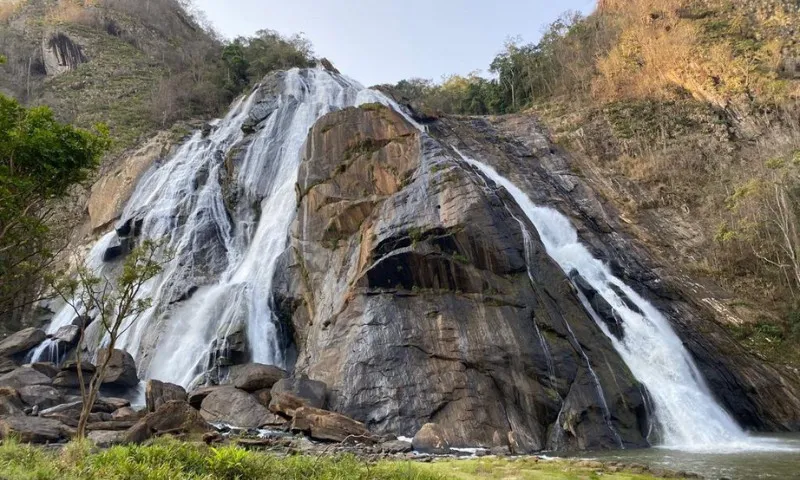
(229, 257)
(686, 413)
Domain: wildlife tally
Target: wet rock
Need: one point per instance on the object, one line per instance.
(41, 396)
(158, 393)
(235, 407)
(34, 429)
(255, 376)
(21, 341)
(170, 417)
(290, 393)
(46, 368)
(106, 438)
(10, 402)
(121, 369)
(24, 376)
(67, 336)
(324, 425)
(431, 439)
(233, 349)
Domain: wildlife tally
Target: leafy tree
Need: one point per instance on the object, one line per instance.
(115, 304)
(40, 161)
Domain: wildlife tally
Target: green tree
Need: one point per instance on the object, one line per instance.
(115, 304)
(40, 161)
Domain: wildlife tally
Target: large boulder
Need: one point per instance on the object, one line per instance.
(34, 429)
(121, 369)
(171, 417)
(21, 341)
(41, 396)
(67, 336)
(255, 376)
(290, 394)
(431, 439)
(158, 393)
(197, 395)
(324, 425)
(24, 376)
(235, 407)
(10, 402)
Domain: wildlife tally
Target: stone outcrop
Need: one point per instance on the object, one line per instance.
(121, 369)
(170, 417)
(255, 376)
(158, 393)
(410, 295)
(21, 341)
(235, 407)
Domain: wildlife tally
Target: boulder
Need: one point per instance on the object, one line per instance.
(85, 366)
(23, 377)
(235, 407)
(106, 438)
(264, 396)
(21, 341)
(111, 425)
(159, 393)
(171, 417)
(289, 394)
(7, 365)
(121, 369)
(34, 429)
(10, 403)
(67, 336)
(431, 439)
(255, 376)
(46, 368)
(116, 403)
(41, 396)
(69, 379)
(395, 446)
(127, 413)
(324, 425)
(73, 410)
(197, 395)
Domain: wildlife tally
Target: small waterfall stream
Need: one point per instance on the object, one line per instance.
(686, 413)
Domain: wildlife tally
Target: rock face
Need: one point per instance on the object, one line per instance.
(410, 295)
(121, 369)
(21, 342)
(235, 407)
(761, 396)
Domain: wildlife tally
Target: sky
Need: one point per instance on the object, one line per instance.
(384, 41)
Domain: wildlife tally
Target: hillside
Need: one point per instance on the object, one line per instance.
(683, 114)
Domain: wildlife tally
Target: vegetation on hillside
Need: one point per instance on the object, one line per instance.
(40, 161)
(171, 459)
(148, 64)
(690, 107)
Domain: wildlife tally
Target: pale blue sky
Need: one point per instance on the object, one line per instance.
(381, 41)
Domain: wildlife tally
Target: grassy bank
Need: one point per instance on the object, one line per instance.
(175, 460)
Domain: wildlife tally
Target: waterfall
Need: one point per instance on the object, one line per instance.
(686, 413)
(225, 231)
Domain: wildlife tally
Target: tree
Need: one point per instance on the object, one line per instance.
(115, 304)
(40, 161)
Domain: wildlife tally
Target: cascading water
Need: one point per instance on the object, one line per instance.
(226, 234)
(686, 413)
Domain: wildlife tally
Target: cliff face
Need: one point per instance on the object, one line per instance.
(412, 298)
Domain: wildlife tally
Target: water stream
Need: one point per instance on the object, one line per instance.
(686, 414)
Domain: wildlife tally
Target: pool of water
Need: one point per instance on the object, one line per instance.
(768, 457)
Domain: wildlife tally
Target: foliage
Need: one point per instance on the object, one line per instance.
(40, 160)
(174, 460)
(115, 305)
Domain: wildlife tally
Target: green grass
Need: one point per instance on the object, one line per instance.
(175, 460)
